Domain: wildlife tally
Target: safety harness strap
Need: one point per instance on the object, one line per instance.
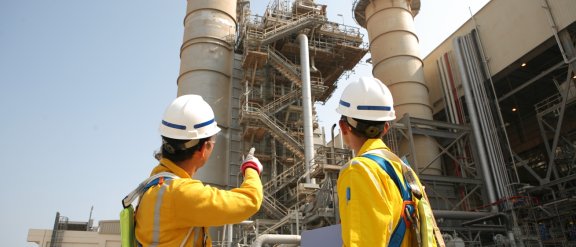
(404, 189)
(142, 187)
(156, 179)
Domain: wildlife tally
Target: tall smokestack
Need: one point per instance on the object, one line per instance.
(206, 59)
(397, 63)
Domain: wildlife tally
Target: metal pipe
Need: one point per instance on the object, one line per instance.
(481, 111)
(275, 239)
(230, 235)
(460, 215)
(224, 231)
(332, 150)
(306, 104)
(480, 97)
(274, 165)
(477, 220)
(486, 119)
(474, 121)
(496, 101)
(332, 135)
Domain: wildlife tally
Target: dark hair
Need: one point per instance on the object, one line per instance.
(175, 151)
(366, 128)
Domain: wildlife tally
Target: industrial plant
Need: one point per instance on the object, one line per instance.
(487, 119)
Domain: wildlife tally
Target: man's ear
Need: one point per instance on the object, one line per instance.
(344, 128)
(204, 150)
(386, 128)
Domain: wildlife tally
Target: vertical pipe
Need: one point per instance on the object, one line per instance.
(273, 165)
(396, 59)
(440, 64)
(230, 236)
(496, 100)
(480, 109)
(475, 123)
(206, 69)
(223, 235)
(307, 104)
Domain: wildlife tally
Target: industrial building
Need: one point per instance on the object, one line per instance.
(487, 119)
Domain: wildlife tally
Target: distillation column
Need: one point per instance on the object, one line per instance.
(396, 60)
(206, 67)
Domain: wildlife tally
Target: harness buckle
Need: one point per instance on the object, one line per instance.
(408, 215)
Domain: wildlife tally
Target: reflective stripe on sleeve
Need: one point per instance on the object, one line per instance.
(156, 224)
(374, 181)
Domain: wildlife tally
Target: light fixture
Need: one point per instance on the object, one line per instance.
(341, 16)
(574, 77)
(514, 109)
(523, 65)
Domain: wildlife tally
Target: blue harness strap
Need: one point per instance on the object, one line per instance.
(157, 181)
(407, 206)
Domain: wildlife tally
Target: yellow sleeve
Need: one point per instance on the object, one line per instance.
(366, 218)
(198, 205)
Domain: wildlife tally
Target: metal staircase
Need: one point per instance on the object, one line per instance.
(285, 66)
(282, 102)
(292, 71)
(273, 207)
(285, 178)
(286, 219)
(263, 114)
(276, 129)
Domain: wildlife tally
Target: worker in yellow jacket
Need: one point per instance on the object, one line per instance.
(370, 203)
(178, 211)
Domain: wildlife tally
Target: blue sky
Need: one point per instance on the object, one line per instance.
(83, 85)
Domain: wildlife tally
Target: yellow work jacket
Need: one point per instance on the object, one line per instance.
(181, 210)
(368, 216)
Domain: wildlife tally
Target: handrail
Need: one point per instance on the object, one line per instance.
(272, 201)
(271, 107)
(281, 178)
(548, 103)
(277, 129)
(274, 206)
(278, 224)
(295, 23)
(283, 60)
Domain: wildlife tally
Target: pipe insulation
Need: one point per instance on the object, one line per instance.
(275, 239)
(480, 111)
(306, 104)
(476, 128)
(206, 59)
(460, 215)
(396, 60)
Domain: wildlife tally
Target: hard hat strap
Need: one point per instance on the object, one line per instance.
(172, 147)
(369, 130)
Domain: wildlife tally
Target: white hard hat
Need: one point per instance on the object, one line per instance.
(367, 99)
(189, 117)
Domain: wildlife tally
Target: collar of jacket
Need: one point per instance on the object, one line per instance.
(168, 166)
(372, 144)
